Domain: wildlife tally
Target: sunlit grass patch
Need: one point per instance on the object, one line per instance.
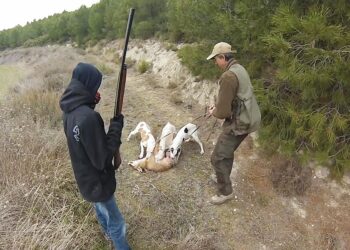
(9, 75)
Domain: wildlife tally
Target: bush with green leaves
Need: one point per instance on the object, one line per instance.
(305, 106)
(195, 58)
(143, 66)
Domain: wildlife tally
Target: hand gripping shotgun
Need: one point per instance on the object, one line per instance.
(121, 81)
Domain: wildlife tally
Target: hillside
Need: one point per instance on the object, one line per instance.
(42, 208)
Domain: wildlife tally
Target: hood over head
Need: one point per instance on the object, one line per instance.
(89, 76)
(82, 89)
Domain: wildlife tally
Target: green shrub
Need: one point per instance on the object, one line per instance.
(171, 46)
(144, 29)
(130, 62)
(195, 58)
(143, 66)
(41, 40)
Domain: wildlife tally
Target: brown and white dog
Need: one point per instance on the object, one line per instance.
(147, 139)
(187, 132)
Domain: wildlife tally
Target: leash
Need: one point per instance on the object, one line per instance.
(212, 130)
(158, 140)
(206, 115)
(201, 116)
(195, 119)
(198, 126)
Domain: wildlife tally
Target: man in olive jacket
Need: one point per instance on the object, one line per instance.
(236, 104)
(91, 149)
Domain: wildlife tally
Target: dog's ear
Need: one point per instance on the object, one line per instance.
(186, 130)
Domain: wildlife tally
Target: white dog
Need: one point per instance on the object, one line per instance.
(185, 134)
(147, 139)
(166, 138)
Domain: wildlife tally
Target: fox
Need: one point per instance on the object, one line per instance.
(152, 164)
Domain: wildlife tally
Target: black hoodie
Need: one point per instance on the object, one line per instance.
(90, 148)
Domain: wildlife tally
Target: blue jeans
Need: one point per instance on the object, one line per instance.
(112, 222)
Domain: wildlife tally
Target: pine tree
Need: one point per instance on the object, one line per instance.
(306, 105)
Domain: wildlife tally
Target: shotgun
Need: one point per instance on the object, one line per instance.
(121, 81)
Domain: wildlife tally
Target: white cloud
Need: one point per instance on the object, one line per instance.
(14, 12)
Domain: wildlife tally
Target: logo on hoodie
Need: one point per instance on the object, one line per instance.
(76, 133)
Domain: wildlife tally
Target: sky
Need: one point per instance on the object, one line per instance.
(14, 12)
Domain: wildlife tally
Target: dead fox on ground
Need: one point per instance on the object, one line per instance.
(151, 164)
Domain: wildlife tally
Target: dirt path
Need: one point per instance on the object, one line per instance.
(172, 208)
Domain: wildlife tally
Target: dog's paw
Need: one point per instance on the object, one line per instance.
(141, 170)
(202, 152)
(133, 164)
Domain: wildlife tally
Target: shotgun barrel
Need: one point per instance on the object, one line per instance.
(123, 68)
(121, 82)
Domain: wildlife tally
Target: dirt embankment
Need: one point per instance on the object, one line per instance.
(170, 210)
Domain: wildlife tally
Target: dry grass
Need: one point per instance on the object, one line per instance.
(173, 85)
(290, 178)
(9, 75)
(176, 97)
(105, 69)
(41, 207)
(40, 106)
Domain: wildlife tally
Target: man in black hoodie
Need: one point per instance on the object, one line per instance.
(91, 149)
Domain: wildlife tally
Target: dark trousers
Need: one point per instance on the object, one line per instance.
(222, 159)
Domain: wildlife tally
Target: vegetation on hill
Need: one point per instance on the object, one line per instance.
(297, 53)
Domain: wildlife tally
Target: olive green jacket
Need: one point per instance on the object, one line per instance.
(236, 102)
